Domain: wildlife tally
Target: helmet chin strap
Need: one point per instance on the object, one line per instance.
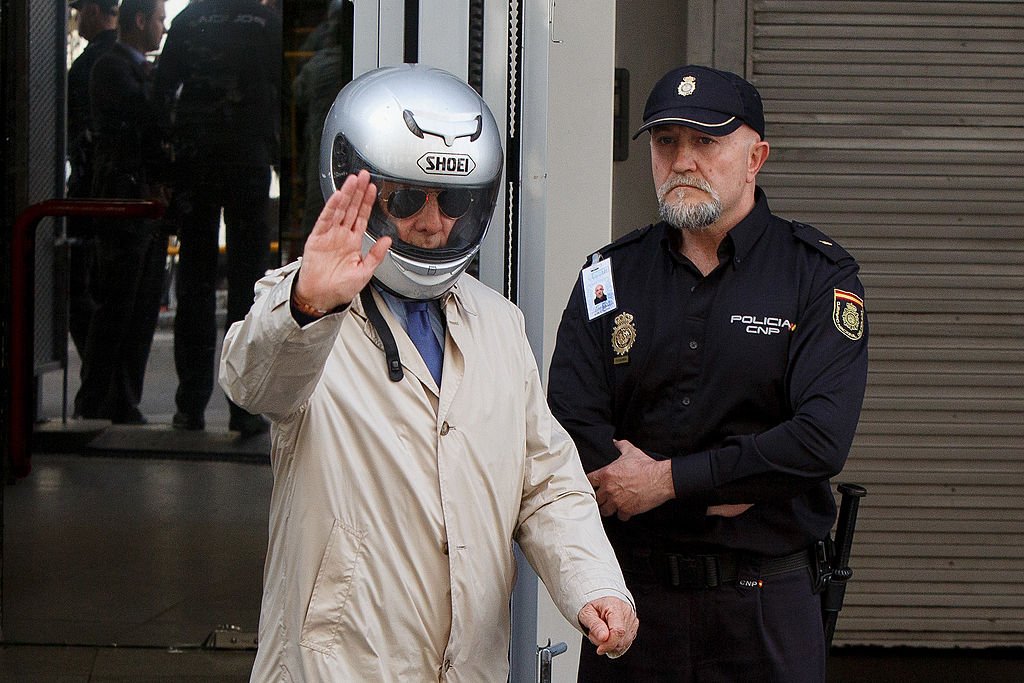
(394, 361)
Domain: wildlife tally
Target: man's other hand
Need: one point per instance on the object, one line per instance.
(610, 624)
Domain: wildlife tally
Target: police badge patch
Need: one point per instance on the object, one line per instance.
(623, 337)
(848, 313)
(687, 86)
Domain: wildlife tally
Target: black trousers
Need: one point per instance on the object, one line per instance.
(81, 260)
(81, 276)
(736, 632)
(130, 262)
(200, 194)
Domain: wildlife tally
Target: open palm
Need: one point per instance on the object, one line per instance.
(334, 269)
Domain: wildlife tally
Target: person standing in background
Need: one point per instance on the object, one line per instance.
(315, 88)
(97, 23)
(219, 82)
(130, 163)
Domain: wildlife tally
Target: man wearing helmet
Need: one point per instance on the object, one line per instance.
(411, 440)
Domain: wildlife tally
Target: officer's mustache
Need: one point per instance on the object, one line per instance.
(688, 216)
(680, 180)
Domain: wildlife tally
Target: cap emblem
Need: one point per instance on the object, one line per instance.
(687, 86)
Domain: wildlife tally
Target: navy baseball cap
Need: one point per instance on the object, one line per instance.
(712, 101)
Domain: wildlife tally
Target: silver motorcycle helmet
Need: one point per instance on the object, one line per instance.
(423, 135)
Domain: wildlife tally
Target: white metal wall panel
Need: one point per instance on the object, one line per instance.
(378, 38)
(896, 128)
(443, 28)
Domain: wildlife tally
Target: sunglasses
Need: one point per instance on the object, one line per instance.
(407, 202)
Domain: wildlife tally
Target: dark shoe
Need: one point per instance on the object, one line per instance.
(190, 423)
(248, 424)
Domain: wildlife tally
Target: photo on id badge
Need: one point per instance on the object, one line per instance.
(598, 289)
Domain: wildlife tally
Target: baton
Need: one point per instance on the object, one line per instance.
(835, 590)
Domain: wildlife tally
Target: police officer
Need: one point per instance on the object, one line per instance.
(219, 79)
(713, 403)
(130, 163)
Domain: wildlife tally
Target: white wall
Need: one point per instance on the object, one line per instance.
(576, 173)
(568, 169)
(639, 26)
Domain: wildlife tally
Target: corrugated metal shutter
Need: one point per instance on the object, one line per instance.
(897, 129)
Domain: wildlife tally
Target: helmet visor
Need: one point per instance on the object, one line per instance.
(435, 222)
(432, 223)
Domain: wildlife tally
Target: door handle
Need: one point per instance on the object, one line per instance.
(544, 656)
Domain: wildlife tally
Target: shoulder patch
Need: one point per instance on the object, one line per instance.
(820, 242)
(628, 238)
(848, 313)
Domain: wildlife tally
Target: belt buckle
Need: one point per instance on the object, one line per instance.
(689, 571)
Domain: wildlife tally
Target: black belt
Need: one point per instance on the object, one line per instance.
(696, 571)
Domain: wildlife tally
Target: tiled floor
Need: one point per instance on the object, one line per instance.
(133, 562)
(118, 563)
(33, 664)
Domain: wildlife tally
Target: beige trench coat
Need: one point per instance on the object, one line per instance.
(395, 505)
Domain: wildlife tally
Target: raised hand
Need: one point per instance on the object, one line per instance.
(334, 269)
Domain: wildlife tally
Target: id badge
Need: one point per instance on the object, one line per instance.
(598, 288)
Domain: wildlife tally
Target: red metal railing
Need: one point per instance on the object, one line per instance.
(22, 327)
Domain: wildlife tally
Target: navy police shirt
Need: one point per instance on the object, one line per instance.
(219, 82)
(750, 379)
